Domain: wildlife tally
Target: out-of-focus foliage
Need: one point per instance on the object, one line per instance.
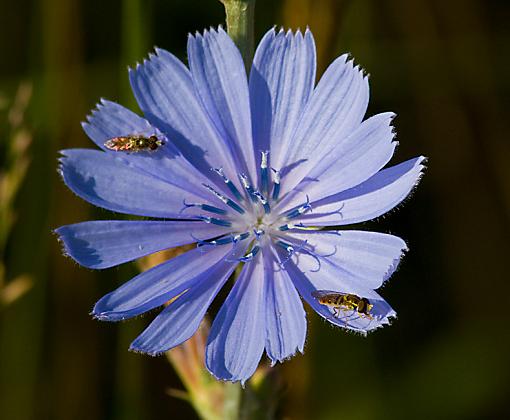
(442, 66)
(15, 140)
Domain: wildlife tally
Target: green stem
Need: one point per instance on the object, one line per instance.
(240, 18)
(232, 402)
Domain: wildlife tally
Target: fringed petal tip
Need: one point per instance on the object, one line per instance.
(386, 322)
(213, 30)
(241, 381)
(274, 360)
(364, 325)
(393, 267)
(100, 313)
(363, 332)
(419, 168)
(65, 168)
(277, 31)
(421, 164)
(135, 347)
(67, 251)
(272, 32)
(104, 316)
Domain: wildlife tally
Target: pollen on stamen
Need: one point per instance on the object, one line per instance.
(258, 233)
(215, 221)
(299, 210)
(240, 237)
(249, 189)
(263, 201)
(225, 200)
(204, 207)
(215, 242)
(248, 257)
(288, 248)
(276, 184)
(298, 226)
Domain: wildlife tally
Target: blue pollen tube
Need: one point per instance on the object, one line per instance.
(205, 207)
(215, 221)
(233, 189)
(225, 200)
(299, 210)
(263, 201)
(264, 173)
(235, 206)
(212, 209)
(249, 189)
(251, 255)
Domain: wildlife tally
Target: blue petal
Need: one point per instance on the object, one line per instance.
(108, 181)
(358, 260)
(237, 337)
(281, 81)
(381, 312)
(106, 243)
(285, 316)
(374, 197)
(220, 80)
(112, 120)
(336, 108)
(156, 286)
(353, 160)
(181, 318)
(164, 90)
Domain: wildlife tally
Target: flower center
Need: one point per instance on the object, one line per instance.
(248, 213)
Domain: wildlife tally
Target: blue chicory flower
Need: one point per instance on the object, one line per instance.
(250, 169)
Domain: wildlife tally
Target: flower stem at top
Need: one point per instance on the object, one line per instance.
(240, 18)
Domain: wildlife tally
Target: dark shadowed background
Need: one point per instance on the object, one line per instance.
(442, 66)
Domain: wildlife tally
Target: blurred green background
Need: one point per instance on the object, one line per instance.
(442, 66)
